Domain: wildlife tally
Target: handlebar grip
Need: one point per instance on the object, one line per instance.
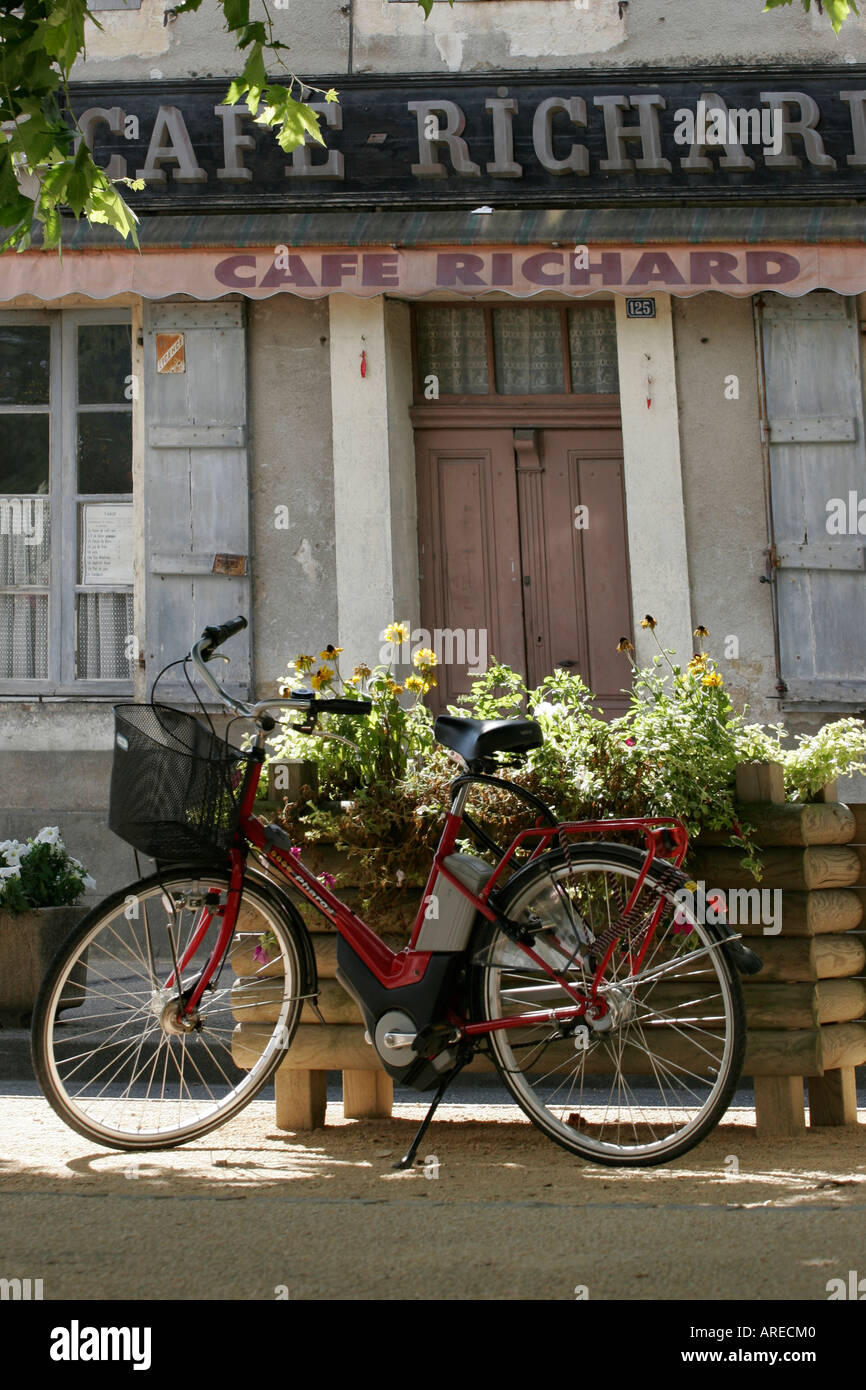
(215, 636)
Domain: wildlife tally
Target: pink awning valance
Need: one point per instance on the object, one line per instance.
(311, 273)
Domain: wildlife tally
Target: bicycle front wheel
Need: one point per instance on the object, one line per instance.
(650, 1079)
(112, 1052)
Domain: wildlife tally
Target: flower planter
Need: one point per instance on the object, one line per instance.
(28, 943)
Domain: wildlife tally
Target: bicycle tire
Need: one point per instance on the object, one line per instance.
(72, 1077)
(501, 981)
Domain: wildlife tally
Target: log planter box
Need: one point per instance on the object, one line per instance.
(805, 1010)
(28, 944)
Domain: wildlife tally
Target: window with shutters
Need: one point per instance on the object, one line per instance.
(66, 623)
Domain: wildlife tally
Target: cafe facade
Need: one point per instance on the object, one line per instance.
(516, 357)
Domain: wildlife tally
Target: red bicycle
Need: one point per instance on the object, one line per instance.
(612, 1014)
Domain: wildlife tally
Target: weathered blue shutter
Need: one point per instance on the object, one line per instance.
(196, 489)
(815, 415)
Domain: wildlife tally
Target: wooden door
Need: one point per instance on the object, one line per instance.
(574, 557)
(817, 454)
(469, 546)
(501, 552)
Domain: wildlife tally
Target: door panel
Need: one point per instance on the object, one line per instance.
(578, 597)
(500, 552)
(469, 550)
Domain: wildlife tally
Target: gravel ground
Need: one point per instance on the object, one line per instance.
(494, 1211)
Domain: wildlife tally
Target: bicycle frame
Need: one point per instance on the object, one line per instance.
(396, 969)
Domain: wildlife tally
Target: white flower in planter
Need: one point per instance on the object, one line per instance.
(49, 835)
(13, 871)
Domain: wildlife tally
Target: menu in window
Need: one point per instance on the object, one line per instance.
(106, 543)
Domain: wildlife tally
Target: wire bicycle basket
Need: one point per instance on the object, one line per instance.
(176, 786)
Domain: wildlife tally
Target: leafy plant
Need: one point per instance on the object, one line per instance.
(45, 163)
(366, 749)
(40, 872)
(837, 11)
(673, 753)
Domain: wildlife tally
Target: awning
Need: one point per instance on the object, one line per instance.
(575, 269)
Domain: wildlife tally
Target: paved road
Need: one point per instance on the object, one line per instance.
(507, 1215)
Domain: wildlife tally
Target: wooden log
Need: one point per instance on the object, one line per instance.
(838, 956)
(791, 823)
(842, 1045)
(858, 811)
(839, 1001)
(808, 914)
(760, 782)
(818, 866)
(783, 1052)
(367, 1095)
(784, 961)
(341, 1047)
(833, 1097)
(779, 1112)
(243, 961)
(258, 1001)
(301, 1099)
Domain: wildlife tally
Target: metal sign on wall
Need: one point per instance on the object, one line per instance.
(526, 139)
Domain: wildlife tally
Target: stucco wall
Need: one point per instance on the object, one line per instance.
(723, 490)
(291, 465)
(392, 37)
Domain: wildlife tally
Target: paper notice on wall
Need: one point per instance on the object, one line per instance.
(106, 543)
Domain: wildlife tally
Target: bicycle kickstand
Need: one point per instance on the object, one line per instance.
(409, 1157)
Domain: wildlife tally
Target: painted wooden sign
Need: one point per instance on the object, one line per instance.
(517, 139)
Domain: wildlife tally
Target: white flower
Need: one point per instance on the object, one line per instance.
(14, 871)
(13, 851)
(89, 883)
(49, 835)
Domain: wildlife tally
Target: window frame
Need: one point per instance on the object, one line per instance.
(64, 501)
(493, 396)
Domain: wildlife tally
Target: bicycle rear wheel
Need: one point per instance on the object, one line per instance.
(109, 1049)
(655, 1077)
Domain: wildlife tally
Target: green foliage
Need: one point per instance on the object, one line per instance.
(384, 743)
(45, 165)
(673, 753)
(40, 872)
(837, 11)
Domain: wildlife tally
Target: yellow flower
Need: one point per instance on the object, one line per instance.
(698, 662)
(397, 632)
(701, 631)
(712, 678)
(428, 681)
(304, 663)
(415, 684)
(624, 645)
(330, 653)
(424, 657)
(321, 677)
(648, 621)
(362, 672)
(393, 688)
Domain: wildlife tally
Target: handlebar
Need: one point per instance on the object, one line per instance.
(306, 701)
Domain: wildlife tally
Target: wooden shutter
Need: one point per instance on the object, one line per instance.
(815, 415)
(196, 487)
